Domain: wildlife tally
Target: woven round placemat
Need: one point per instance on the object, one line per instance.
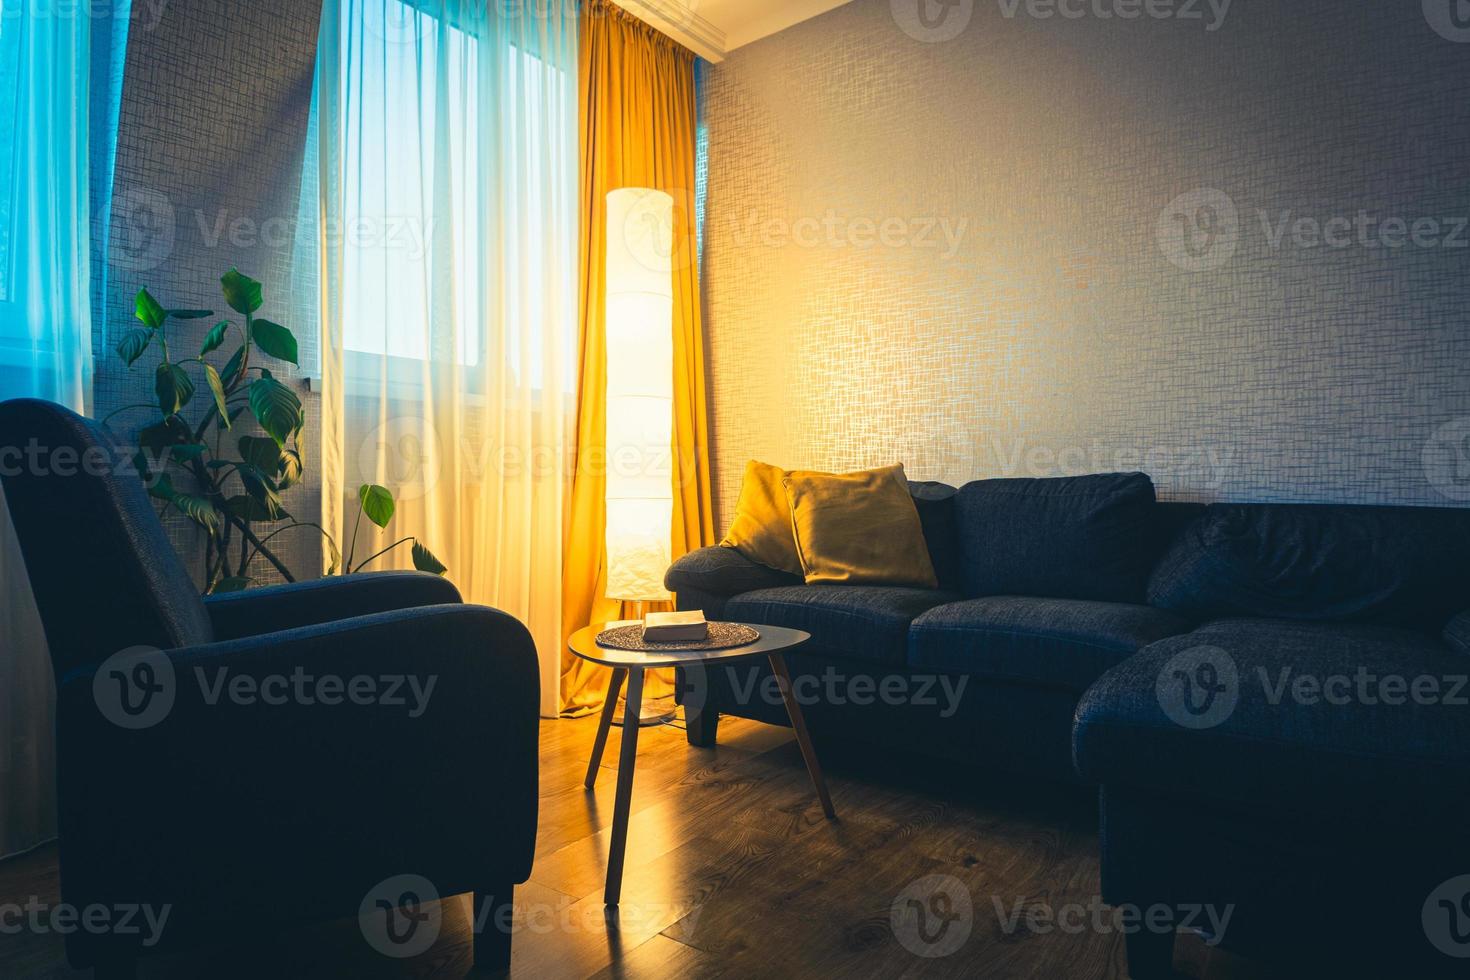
(722, 636)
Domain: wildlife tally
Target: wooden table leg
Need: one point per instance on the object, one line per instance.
(809, 754)
(627, 760)
(608, 708)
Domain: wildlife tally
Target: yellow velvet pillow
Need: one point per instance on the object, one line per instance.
(761, 530)
(858, 529)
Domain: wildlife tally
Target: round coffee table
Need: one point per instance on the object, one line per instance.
(629, 666)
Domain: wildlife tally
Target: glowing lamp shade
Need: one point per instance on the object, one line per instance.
(640, 392)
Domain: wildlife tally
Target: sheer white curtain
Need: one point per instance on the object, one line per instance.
(448, 179)
(45, 352)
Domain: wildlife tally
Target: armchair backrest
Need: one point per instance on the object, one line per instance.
(103, 572)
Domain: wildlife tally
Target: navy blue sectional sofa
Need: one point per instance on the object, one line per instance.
(1268, 696)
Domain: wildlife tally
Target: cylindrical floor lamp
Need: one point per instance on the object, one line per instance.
(640, 399)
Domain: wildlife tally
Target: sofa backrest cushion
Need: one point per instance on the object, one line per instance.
(935, 503)
(1392, 565)
(1085, 537)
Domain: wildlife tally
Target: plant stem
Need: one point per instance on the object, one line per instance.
(217, 497)
(368, 561)
(288, 527)
(265, 552)
(106, 418)
(352, 548)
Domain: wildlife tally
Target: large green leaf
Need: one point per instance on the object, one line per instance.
(133, 344)
(292, 466)
(377, 503)
(161, 435)
(336, 563)
(234, 371)
(235, 583)
(424, 560)
(275, 340)
(198, 510)
(247, 508)
(190, 314)
(241, 292)
(262, 454)
(188, 451)
(217, 388)
(262, 493)
(162, 488)
(275, 407)
(149, 310)
(173, 387)
(215, 337)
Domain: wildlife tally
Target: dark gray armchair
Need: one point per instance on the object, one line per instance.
(259, 760)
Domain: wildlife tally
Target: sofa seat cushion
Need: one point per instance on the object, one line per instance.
(861, 621)
(1286, 719)
(1065, 643)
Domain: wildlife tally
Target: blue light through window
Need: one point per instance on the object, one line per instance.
(11, 25)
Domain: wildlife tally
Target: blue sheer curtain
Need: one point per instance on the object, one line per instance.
(48, 55)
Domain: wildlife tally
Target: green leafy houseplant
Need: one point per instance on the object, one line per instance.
(229, 482)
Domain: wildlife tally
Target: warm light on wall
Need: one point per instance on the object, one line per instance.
(640, 392)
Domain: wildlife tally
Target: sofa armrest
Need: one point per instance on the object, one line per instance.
(303, 767)
(284, 607)
(723, 571)
(1457, 633)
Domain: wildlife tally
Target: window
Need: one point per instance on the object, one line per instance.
(396, 211)
(11, 25)
(444, 249)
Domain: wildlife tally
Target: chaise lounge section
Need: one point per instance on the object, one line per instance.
(1301, 758)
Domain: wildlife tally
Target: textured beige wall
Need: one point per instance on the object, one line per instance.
(966, 254)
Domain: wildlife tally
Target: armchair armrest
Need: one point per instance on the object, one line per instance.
(283, 607)
(308, 765)
(723, 571)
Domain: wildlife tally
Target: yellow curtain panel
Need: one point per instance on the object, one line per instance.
(638, 122)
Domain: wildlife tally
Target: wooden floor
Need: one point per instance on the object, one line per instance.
(732, 872)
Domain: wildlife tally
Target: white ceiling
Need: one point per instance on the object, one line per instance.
(711, 28)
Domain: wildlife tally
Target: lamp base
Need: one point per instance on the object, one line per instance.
(658, 711)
